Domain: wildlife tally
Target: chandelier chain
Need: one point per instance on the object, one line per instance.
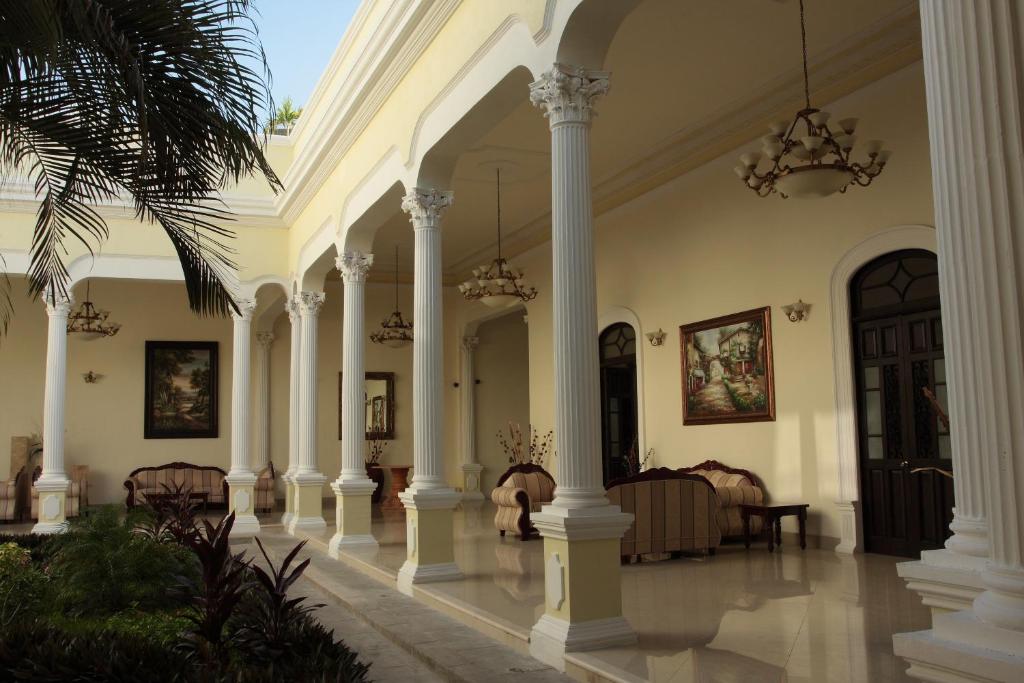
(803, 42)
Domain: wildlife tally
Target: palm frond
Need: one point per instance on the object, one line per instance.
(148, 101)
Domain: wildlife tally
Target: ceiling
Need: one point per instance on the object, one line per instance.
(690, 80)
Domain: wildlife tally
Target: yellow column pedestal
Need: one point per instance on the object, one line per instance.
(582, 583)
(52, 507)
(430, 548)
(352, 516)
(307, 515)
(289, 502)
(242, 501)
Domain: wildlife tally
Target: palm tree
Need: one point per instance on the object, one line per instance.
(143, 100)
(286, 115)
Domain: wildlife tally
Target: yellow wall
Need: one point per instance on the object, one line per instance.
(702, 246)
(502, 363)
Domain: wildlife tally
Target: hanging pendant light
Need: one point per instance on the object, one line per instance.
(497, 285)
(90, 322)
(807, 158)
(394, 330)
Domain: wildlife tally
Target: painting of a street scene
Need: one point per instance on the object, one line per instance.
(727, 369)
(181, 390)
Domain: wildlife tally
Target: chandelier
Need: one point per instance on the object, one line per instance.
(394, 330)
(807, 158)
(497, 285)
(89, 321)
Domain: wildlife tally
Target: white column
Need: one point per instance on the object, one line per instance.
(974, 76)
(295, 351)
(307, 480)
(471, 468)
(52, 484)
(261, 409)
(429, 501)
(579, 527)
(241, 480)
(353, 488)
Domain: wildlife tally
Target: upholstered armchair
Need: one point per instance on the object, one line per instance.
(265, 489)
(733, 486)
(521, 490)
(9, 511)
(78, 492)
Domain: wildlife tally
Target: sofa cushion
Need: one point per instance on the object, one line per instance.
(539, 488)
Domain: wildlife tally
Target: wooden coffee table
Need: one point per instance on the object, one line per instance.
(772, 516)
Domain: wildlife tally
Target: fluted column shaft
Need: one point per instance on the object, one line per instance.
(425, 208)
(309, 310)
(241, 356)
(976, 128)
(294, 352)
(261, 409)
(353, 267)
(58, 307)
(567, 94)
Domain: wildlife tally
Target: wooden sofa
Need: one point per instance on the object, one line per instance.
(265, 489)
(733, 486)
(522, 489)
(10, 510)
(198, 478)
(673, 512)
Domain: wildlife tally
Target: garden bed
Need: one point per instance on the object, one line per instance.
(156, 596)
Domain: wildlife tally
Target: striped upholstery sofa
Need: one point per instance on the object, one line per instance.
(672, 512)
(9, 511)
(265, 489)
(733, 486)
(199, 478)
(523, 489)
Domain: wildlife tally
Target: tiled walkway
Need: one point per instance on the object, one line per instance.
(405, 639)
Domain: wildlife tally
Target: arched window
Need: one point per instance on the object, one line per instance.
(618, 342)
(895, 283)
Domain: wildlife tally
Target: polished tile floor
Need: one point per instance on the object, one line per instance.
(738, 616)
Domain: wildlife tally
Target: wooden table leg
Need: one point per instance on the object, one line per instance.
(802, 518)
(778, 530)
(769, 521)
(746, 528)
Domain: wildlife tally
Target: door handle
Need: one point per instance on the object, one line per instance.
(905, 464)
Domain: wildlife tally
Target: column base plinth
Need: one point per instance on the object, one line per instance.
(945, 580)
(430, 543)
(53, 493)
(551, 638)
(961, 647)
(241, 501)
(307, 515)
(471, 482)
(352, 515)
(289, 501)
(582, 582)
(849, 528)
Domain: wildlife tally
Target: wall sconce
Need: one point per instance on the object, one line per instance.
(656, 338)
(91, 377)
(796, 312)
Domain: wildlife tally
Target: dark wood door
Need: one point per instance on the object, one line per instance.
(618, 399)
(907, 503)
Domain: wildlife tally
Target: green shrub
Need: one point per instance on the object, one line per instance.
(22, 585)
(37, 544)
(159, 628)
(101, 566)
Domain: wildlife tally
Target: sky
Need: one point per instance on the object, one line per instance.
(299, 37)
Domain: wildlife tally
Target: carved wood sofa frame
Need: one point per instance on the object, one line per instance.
(129, 483)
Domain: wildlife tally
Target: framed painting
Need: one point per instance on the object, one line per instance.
(379, 395)
(181, 390)
(727, 369)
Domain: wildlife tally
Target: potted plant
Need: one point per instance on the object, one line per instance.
(374, 452)
(535, 451)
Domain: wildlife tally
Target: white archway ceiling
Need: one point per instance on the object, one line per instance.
(690, 81)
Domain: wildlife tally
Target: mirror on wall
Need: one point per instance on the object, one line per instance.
(379, 395)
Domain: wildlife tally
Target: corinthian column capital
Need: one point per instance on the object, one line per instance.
(246, 307)
(310, 303)
(567, 93)
(470, 343)
(58, 303)
(425, 207)
(264, 339)
(354, 265)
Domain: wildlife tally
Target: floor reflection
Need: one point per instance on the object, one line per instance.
(741, 615)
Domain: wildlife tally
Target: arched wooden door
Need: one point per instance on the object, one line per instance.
(617, 345)
(898, 347)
